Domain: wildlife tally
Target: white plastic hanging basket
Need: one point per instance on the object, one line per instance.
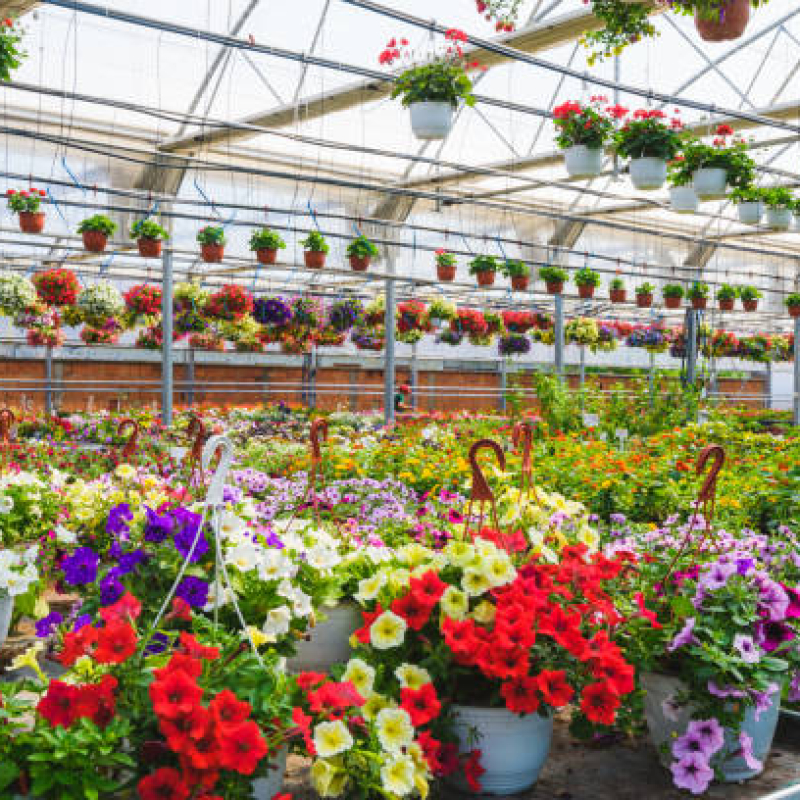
(750, 213)
(683, 199)
(710, 182)
(779, 219)
(267, 787)
(328, 642)
(648, 173)
(431, 120)
(582, 161)
(6, 611)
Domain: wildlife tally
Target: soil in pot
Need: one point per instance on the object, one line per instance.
(212, 253)
(672, 302)
(730, 24)
(485, 278)
(266, 256)
(554, 287)
(586, 292)
(617, 295)
(149, 248)
(31, 221)
(644, 300)
(314, 259)
(95, 241)
(445, 272)
(727, 305)
(520, 283)
(359, 263)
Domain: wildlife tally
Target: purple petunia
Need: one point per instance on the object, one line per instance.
(118, 519)
(692, 773)
(746, 743)
(690, 744)
(747, 648)
(81, 567)
(158, 526)
(771, 635)
(47, 625)
(717, 576)
(189, 539)
(724, 692)
(710, 733)
(193, 591)
(129, 562)
(110, 590)
(81, 622)
(684, 636)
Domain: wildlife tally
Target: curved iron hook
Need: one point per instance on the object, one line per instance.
(129, 448)
(319, 427)
(522, 438)
(481, 493)
(196, 433)
(7, 419)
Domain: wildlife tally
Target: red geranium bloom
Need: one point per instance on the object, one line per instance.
(242, 747)
(227, 709)
(59, 705)
(413, 610)
(116, 644)
(194, 649)
(521, 695)
(175, 694)
(422, 704)
(599, 702)
(554, 687)
(164, 784)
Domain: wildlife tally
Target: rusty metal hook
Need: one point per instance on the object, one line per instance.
(522, 438)
(319, 427)
(7, 419)
(481, 492)
(196, 433)
(129, 448)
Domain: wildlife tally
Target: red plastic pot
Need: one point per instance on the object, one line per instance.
(359, 263)
(699, 303)
(672, 302)
(727, 304)
(554, 287)
(212, 253)
(586, 291)
(31, 221)
(485, 278)
(794, 311)
(730, 24)
(266, 256)
(644, 300)
(95, 241)
(149, 248)
(520, 283)
(445, 272)
(314, 259)
(617, 295)
(750, 305)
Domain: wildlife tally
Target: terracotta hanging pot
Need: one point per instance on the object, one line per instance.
(95, 241)
(314, 259)
(644, 300)
(149, 248)
(727, 303)
(485, 278)
(794, 311)
(699, 303)
(617, 295)
(266, 255)
(212, 253)
(446, 272)
(672, 302)
(31, 221)
(730, 23)
(554, 287)
(586, 291)
(520, 283)
(359, 263)
(750, 305)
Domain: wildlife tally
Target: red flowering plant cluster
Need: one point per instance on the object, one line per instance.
(231, 303)
(503, 13)
(470, 321)
(29, 201)
(519, 321)
(108, 333)
(57, 287)
(489, 623)
(171, 715)
(143, 300)
(412, 316)
(591, 124)
(649, 133)
(725, 151)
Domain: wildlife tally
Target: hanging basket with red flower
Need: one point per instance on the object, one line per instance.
(57, 287)
(470, 321)
(143, 300)
(230, 303)
(412, 316)
(28, 205)
(206, 341)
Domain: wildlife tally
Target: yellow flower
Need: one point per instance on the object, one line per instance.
(459, 553)
(395, 731)
(413, 554)
(474, 582)
(455, 603)
(387, 631)
(332, 738)
(397, 776)
(368, 588)
(30, 658)
(500, 570)
(257, 636)
(484, 613)
(399, 579)
(374, 705)
(411, 676)
(361, 675)
(328, 779)
(125, 472)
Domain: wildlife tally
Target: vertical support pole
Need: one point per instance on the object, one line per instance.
(559, 334)
(48, 380)
(691, 347)
(796, 403)
(583, 366)
(651, 378)
(166, 349)
(414, 376)
(389, 347)
(312, 377)
(768, 387)
(305, 398)
(190, 378)
(503, 383)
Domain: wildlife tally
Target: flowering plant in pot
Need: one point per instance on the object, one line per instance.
(554, 278)
(360, 252)
(445, 265)
(470, 320)
(212, 243)
(503, 12)
(57, 287)
(718, 646)
(513, 344)
(644, 295)
(698, 294)
(442, 309)
(717, 20)
(780, 205)
(793, 304)
(143, 303)
(106, 332)
(10, 53)
(587, 280)
(583, 132)
(148, 235)
(749, 202)
(343, 315)
(484, 269)
(650, 141)
(265, 243)
(27, 204)
(518, 272)
(616, 290)
(432, 88)
(231, 302)
(673, 294)
(315, 250)
(723, 162)
(726, 297)
(750, 297)
(682, 196)
(412, 316)
(96, 231)
(484, 634)
(100, 302)
(518, 321)
(624, 23)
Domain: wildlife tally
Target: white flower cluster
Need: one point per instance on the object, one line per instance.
(17, 293)
(18, 571)
(99, 302)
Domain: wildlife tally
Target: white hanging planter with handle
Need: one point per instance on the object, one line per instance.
(6, 612)
(328, 642)
(648, 173)
(779, 219)
(710, 182)
(267, 787)
(750, 213)
(582, 161)
(431, 120)
(683, 199)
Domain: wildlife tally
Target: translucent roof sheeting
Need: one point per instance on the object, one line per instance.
(139, 80)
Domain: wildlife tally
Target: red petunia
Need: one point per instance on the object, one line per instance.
(193, 648)
(303, 722)
(521, 695)
(362, 634)
(116, 643)
(174, 695)
(428, 586)
(335, 696)
(413, 610)
(97, 702)
(618, 673)
(431, 750)
(180, 662)
(203, 751)
(59, 706)
(180, 610)
(422, 704)
(182, 730)
(308, 680)
(554, 687)
(126, 608)
(77, 644)
(645, 612)
(164, 784)
(228, 709)
(242, 747)
(599, 703)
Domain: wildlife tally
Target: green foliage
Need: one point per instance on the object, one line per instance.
(778, 197)
(793, 300)
(672, 290)
(647, 137)
(266, 239)
(727, 292)
(553, 275)
(698, 290)
(514, 268)
(586, 125)
(100, 223)
(749, 293)
(211, 234)
(362, 248)
(483, 264)
(147, 229)
(624, 24)
(315, 242)
(440, 81)
(747, 194)
(445, 259)
(10, 53)
(678, 172)
(739, 167)
(616, 284)
(587, 277)
(645, 288)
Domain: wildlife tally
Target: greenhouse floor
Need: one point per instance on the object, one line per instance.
(620, 771)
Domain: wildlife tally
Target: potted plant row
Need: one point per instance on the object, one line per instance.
(644, 295)
(27, 205)
(149, 236)
(445, 265)
(96, 231)
(587, 280)
(673, 294)
(266, 243)
(360, 252)
(554, 278)
(315, 250)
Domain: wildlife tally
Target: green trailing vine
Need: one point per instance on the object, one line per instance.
(623, 24)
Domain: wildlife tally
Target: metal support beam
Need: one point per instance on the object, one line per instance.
(559, 334)
(48, 377)
(796, 398)
(503, 383)
(166, 349)
(414, 377)
(389, 347)
(691, 347)
(190, 377)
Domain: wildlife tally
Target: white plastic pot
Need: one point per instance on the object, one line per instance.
(750, 213)
(710, 182)
(582, 161)
(431, 120)
(267, 787)
(797, 221)
(683, 199)
(328, 642)
(648, 173)
(659, 688)
(6, 610)
(513, 748)
(779, 219)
